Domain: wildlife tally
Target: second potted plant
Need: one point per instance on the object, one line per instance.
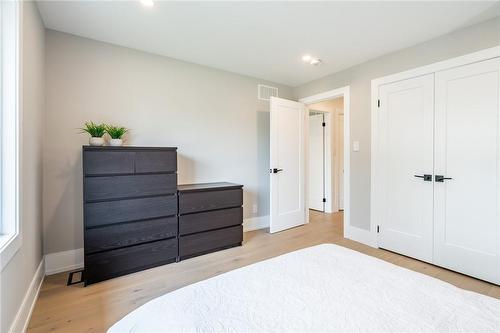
(116, 134)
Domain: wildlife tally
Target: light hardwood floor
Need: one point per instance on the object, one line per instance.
(95, 308)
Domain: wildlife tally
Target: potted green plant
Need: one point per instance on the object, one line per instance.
(96, 132)
(116, 134)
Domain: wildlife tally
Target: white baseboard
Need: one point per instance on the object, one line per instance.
(63, 261)
(361, 235)
(23, 315)
(255, 223)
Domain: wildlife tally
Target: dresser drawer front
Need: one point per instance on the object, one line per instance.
(155, 161)
(108, 162)
(192, 202)
(110, 212)
(191, 223)
(120, 187)
(109, 264)
(126, 234)
(205, 242)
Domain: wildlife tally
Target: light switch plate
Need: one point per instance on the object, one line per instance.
(355, 145)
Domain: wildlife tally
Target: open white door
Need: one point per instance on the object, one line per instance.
(316, 162)
(340, 157)
(288, 164)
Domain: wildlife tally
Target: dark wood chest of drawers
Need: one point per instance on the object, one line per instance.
(137, 217)
(130, 210)
(210, 218)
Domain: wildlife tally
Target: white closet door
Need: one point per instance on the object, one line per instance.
(406, 151)
(467, 228)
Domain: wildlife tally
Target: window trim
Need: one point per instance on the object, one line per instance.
(10, 98)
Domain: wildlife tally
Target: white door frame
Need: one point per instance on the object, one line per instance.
(327, 95)
(375, 155)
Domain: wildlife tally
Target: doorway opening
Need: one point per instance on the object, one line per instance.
(326, 155)
(289, 160)
(337, 153)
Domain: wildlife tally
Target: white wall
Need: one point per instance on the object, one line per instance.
(212, 116)
(17, 276)
(457, 43)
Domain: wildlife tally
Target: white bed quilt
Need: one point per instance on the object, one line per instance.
(325, 288)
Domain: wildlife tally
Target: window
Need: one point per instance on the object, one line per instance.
(10, 235)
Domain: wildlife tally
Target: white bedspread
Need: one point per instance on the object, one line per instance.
(318, 289)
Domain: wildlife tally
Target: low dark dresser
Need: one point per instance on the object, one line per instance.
(130, 210)
(210, 218)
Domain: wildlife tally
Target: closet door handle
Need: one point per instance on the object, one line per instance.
(426, 178)
(276, 170)
(441, 179)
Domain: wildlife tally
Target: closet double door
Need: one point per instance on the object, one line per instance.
(439, 142)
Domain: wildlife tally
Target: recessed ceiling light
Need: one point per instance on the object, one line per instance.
(315, 62)
(311, 60)
(147, 3)
(306, 58)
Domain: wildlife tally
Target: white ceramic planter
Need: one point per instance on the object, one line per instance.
(115, 142)
(96, 141)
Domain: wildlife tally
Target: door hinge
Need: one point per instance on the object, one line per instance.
(378, 229)
(324, 199)
(378, 103)
(323, 124)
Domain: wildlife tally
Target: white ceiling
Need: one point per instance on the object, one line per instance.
(265, 39)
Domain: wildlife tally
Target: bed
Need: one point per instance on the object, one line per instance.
(317, 289)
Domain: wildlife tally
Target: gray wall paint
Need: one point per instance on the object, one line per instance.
(18, 274)
(457, 43)
(212, 116)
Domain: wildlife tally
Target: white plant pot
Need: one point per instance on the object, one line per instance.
(96, 141)
(115, 142)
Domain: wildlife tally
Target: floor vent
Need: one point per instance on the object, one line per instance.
(265, 93)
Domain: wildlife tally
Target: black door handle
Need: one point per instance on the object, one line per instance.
(441, 179)
(427, 178)
(276, 170)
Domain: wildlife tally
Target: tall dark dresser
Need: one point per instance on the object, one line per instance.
(130, 210)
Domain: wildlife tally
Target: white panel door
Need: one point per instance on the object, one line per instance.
(406, 151)
(316, 162)
(340, 156)
(467, 228)
(288, 164)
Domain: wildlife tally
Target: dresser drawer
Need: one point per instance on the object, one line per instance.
(192, 202)
(109, 264)
(110, 212)
(126, 234)
(205, 242)
(155, 161)
(108, 162)
(191, 223)
(121, 187)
